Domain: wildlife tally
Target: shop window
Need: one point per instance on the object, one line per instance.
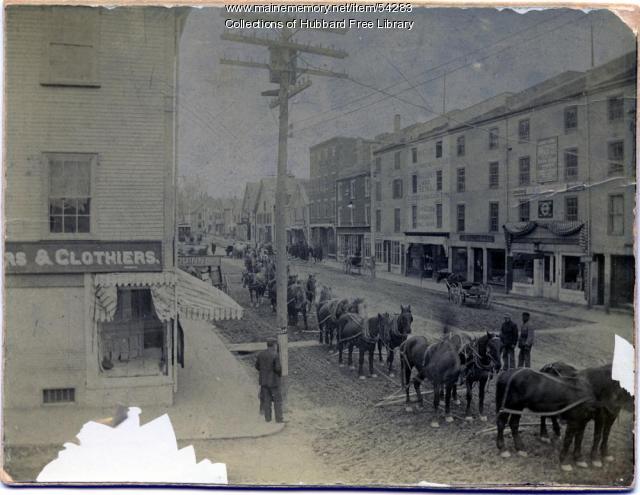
(378, 220)
(571, 208)
(615, 108)
(397, 188)
(438, 149)
(438, 215)
(493, 138)
(395, 253)
(615, 154)
(460, 218)
(438, 180)
(616, 214)
(572, 273)
(414, 216)
(571, 164)
(570, 118)
(70, 193)
(397, 223)
(524, 171)
(460, 146)
(459, 261)
(460, 180)
(414, 184)
(134, 342)
(524, 211)
(494, 175)
(414, 155)
(523, 130)
(523, 269)
(494, 209)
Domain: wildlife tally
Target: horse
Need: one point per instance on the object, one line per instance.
(562, 370)
(363, 333)
(256, 285)
(480, 359)
(589, 395)
(296, 303)
(310, 290)
(439, 363)
(397, 332)
(329, 312)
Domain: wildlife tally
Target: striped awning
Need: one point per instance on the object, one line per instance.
(195, 299)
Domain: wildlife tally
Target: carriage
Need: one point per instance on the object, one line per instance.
(461, 291)
(353, 264)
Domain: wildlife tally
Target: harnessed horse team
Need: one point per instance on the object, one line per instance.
(557, 391)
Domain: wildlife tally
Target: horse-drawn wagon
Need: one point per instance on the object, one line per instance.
(461, 291)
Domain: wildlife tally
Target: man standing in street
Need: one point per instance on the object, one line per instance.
(525, 342)
(268, 365)
(509, 338)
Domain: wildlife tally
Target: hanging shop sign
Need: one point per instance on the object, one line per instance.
(82, 256)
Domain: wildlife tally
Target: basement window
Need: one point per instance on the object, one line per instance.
(58, 395)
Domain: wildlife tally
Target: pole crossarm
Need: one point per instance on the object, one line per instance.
(257, 40)
(245, 63)
(322, 72)
(292, 92)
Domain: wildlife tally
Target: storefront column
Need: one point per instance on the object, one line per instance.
(607, 281)
(485, 265)
(470, 263)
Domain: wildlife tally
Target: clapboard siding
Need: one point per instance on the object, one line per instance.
(125, 122)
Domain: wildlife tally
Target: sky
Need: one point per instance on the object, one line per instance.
(228, 135)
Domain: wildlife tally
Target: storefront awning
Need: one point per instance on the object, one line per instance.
(195, 299)
(557, 229)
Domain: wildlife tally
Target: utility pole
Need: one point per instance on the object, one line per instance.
(283, 70)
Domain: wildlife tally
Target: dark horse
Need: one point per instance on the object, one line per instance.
(589, 395)
(395, 334)
(480, 359)
(439, 363)
(328, 314)
(363, 333)
(296, 303)
(561, 370)
(256, 285)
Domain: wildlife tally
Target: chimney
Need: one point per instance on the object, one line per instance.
(396, 123)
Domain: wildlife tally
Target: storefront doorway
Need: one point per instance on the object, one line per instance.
(459, 261)
(478, 265)
(622, 280)
(496, 266)
(549, 284)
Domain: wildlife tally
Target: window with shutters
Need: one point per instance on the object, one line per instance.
(397, 222)
(438, 149)
(615, 154)
(414, 184)
(494, 175)
(367, 187)
(414, 216)
(378, 165)
(70, 192)
(378, 191)
(439, 215)
(460, 218)
(460, 146)
(524, 211)
(523, 130)
(494, 217)
(615, 108)
(414, 155)
(438, 180)
(397, 188)
(570, 118)
(460, 175)
(571, 164)
(71, 48)
(378, 220)
(524, 171)
(616, 214)
(397, 160)
(493, 138)
(571, 208)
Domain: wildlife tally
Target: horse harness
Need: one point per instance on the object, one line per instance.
(364, 333)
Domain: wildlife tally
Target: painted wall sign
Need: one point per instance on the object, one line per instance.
(477, 238)
(547, 159)
(82, 256)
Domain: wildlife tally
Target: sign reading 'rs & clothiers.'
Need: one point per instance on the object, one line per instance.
(82, 256)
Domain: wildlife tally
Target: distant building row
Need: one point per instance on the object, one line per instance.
(532, 191)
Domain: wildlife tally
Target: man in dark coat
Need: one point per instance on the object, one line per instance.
(509, 338)
(268, 365)
(525, 342)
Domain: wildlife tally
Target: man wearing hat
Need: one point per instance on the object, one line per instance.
(270, 370)
(509, 338)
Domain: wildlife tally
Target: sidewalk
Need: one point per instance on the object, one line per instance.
(216, 399)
